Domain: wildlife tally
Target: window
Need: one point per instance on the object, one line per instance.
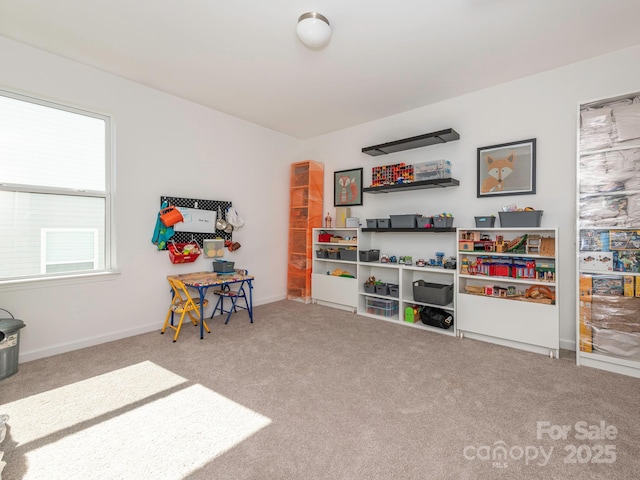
(55, 201)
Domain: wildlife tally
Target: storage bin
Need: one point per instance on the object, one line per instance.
(369, 288)
(425, 222)
(223, 266)
(369, 255)
(394, 290)
(177, 255)
(405, 221)
(322, 253)
(334, 254)
(431, 170)
(382, 289)
(435, 293)
(381, 306)
(372, 222)
(485, 221)
(442, 222)
(384, 223)
(348, 254)
(530, 218)
(325, 237)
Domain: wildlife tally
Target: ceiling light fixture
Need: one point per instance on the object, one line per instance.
(314, 30)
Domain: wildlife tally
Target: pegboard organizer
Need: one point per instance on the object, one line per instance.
(186, 237)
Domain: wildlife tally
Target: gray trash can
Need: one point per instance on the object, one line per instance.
(9, 344)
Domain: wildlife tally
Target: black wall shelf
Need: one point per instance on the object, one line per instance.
(437, 183)
(442, 136)
(406, 230)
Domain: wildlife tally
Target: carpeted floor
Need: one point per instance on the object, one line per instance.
(309, 392)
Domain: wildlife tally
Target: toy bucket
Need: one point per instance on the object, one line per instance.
(170, 216)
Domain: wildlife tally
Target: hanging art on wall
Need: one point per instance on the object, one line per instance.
(347, 187)
(507, 169)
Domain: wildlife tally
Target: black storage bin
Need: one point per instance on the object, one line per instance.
(436, 317)
(435, 293)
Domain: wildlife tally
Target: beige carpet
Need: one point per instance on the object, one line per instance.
(308, 392)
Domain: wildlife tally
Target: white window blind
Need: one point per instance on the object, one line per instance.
(54, 189)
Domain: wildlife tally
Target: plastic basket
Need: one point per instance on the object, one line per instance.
(176, 254)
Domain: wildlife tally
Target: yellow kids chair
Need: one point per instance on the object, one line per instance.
(183, 304)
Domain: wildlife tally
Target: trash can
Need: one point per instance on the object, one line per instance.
(9, 344)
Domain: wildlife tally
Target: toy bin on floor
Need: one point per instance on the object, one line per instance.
(9, 344)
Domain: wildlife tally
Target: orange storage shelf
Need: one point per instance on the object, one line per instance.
(305, 201)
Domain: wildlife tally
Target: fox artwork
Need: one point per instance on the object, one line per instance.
(497, 170)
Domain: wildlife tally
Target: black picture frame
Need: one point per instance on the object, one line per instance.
(347, 187)
(516, 159)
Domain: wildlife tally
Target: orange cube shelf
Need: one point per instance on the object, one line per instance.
(305, 204)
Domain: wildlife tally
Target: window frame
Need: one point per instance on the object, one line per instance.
(110, 266)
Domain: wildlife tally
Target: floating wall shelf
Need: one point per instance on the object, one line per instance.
(443, 136)
(437, 183)
(408, 230)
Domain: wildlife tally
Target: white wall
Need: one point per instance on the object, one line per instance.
(229, 159)
(164, 146)
(542, 106)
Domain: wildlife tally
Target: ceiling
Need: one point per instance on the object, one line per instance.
(384, 58)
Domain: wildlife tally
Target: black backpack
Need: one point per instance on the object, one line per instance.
(436, 317)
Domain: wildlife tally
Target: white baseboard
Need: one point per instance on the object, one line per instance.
(568, 345)
(110, 337)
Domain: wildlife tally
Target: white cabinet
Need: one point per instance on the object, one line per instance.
(507, 290)
(334, 278)
(608, 235)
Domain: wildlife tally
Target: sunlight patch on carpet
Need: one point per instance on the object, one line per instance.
(52, 411)
(168, 437)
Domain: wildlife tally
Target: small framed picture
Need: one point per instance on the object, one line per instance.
(507, 169)
(347, 187)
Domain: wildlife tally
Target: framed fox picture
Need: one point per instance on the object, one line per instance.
(347, 187)
(507, 169)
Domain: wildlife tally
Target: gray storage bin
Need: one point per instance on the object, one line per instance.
(382, 289)
(434, 293)
(322, 253)
(485, 221)
(404, 221)
(369, 288)
(442, 222)
(9, 344)
(334, 255)
(384, 223)
(394, 290)
(348, 254)
(372, 222)
(369, 255)
(223, 266)
(531, 218)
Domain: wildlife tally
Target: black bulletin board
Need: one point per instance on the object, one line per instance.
(185, 237)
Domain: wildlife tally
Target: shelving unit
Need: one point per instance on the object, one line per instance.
(349, 293)
(492, 304)
(305, 203)
(608, 254)
(442, 136)
(421, 185)
(336, 291)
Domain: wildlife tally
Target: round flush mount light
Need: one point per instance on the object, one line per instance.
(314, 30)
